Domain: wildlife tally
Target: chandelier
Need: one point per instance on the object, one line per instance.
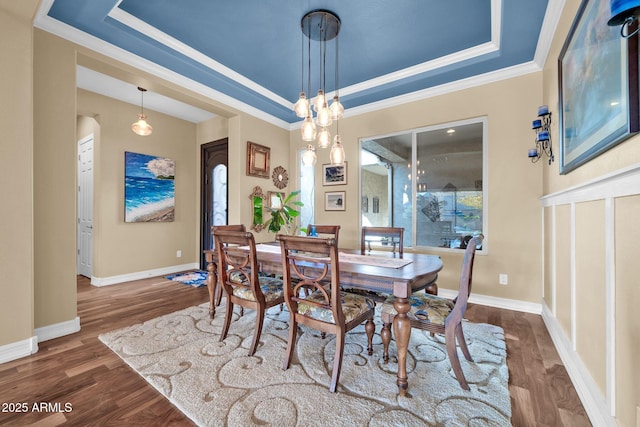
(319, 25)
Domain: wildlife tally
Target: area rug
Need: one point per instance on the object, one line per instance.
(216, 384)
(191, 278)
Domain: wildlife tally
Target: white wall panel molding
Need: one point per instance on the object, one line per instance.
(587, 390)
(623, 182)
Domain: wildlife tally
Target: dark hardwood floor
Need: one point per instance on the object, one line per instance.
(76, 380)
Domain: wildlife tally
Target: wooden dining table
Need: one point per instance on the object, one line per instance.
(366, 272)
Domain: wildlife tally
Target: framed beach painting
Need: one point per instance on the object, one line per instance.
(149, 190)
(598, 86)
(334, 174)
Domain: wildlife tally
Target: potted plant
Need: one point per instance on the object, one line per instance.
(283, 217)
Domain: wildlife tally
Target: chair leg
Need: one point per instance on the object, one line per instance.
(257, 332)
(227, 320)
(337, 361)
(370, 328)
(463, 343)
(450, 339)
(385, 334)
(293, 331)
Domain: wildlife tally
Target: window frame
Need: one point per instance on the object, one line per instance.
(414, 190)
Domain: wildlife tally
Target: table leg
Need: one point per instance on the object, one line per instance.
(402, 332)
(212, 287)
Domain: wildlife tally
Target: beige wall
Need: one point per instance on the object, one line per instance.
(598, 258)
(627, 330)
(125, 248)
(41, 185)
(514, 184)
(16, 181)
(54, 172)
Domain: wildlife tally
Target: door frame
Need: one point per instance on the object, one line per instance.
(205, 189)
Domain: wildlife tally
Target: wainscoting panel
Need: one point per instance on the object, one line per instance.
(591, 272)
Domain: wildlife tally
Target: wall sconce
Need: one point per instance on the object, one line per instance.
(542, 128)
(625, 13)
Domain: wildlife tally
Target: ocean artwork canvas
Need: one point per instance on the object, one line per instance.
(149, 189)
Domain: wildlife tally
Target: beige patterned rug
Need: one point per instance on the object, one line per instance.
(217, 384)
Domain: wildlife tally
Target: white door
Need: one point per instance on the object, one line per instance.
(85, 205)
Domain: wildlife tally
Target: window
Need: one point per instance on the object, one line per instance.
(429, 181)
(307, 194)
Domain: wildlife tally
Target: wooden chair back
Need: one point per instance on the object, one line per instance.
(452, 325)
(214, 288)
(311, 281)
(241, 263)
(394, 236)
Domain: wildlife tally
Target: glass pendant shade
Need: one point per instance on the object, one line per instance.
(336, 108)
(337, 151)
(324, 138)
(309, 157)
(141, 127)
(308, 129)
(302, 106)
(324, 117)
(320, 100)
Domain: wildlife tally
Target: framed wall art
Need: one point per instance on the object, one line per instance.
(149, 188)
(334, 174)
(258, 160)
(275, 199)
(598, 86)
(335, 201)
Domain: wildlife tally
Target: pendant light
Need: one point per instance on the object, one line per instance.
(141, 127)
(321, 26)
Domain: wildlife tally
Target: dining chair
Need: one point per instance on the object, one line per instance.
(438, 315)
(315, 298)
(390, 236)
(244, 285)
(324, 230)
(215, 288)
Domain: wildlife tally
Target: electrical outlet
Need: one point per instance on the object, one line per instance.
(504, 279)
(178, 253)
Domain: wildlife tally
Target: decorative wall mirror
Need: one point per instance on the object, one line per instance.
(257, 203)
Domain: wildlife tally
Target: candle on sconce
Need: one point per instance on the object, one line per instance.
(536, 124)
(542, 110)
(543, 136)
(533, 152)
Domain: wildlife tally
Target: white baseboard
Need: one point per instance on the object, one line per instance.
(18, 349)
(592, 399)
(61, 329)
(508, 304)
(112, 280)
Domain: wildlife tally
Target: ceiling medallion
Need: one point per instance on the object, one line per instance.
(280, 177)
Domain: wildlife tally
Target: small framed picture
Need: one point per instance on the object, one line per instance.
(258, 160)
(335, 201)
(334, 174)
(275, 199)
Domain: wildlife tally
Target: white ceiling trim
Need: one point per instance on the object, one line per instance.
(176, 45)
(470, 82)
(434, 64)
(46, 23)
(549, 26)
(111, 87)
(172, 43)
